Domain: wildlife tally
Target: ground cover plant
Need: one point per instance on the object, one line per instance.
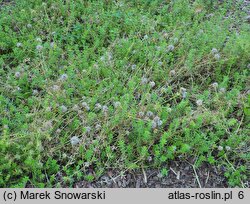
(87, 87)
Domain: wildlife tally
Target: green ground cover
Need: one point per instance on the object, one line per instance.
(121, 85)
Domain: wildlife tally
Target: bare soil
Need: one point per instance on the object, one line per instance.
(180, 175)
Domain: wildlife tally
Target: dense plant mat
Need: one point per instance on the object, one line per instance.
(93, 87)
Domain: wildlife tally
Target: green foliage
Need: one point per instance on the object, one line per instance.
(86, 86)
